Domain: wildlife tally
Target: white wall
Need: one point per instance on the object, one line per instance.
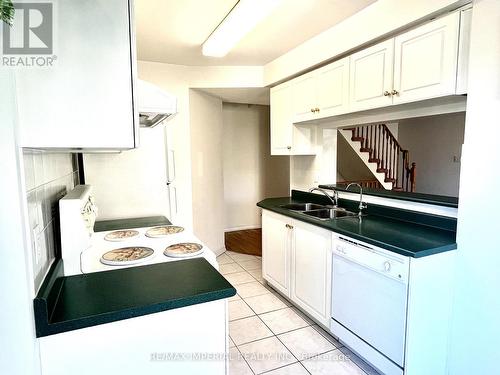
(349, 165)
(309, 171)
(178, 79)
(250, 172)
(131, 183)
(433, 142)
(18, 347)
(476, 327)
(206, 155)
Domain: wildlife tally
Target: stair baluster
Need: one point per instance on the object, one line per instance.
(384, 149)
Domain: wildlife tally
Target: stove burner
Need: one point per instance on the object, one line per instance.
(121, 235)
(126, 255)
(183, 250)
(163, 231)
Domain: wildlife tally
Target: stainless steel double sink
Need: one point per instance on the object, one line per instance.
(319, 211)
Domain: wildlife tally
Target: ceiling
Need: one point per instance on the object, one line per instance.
(172, 31)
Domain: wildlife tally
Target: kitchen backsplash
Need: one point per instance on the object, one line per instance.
(48, 177)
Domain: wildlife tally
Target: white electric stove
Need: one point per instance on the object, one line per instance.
(92, 260)
(84, 251)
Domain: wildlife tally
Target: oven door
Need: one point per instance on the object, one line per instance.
(370, 304)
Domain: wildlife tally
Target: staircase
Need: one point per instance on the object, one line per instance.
(383, 155)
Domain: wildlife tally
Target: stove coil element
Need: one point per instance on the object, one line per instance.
(126, 255)
(183, 250)
(121, 235)
(163, 231)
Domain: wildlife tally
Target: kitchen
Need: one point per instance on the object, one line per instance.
(449, 285)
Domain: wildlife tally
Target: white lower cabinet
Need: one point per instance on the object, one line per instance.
(276, 240)
(311, 270)
(296, 259)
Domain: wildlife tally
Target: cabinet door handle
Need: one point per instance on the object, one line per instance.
(312, 110)
(288, 226)
(316, 110)
(387, 93)
(394, 92)
(289, 147)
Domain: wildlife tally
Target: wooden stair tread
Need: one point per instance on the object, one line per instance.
(384, 150)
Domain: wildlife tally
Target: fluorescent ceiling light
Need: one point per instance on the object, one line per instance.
(245, 15)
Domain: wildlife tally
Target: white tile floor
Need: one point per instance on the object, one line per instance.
(268, 335)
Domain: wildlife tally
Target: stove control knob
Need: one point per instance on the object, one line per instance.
(387, 266)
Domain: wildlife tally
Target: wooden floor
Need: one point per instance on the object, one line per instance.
(244, 241)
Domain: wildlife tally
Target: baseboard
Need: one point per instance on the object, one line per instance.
(220, 251)
(244, 227)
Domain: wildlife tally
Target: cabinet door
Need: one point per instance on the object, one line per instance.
(332, 82)
(425, 62)
(276, 238)
(311, 270)
(371, 73)
(86, 99)
(281, 120)
(304, 98)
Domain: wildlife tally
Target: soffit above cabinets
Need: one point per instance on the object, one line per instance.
(241, 95)
(172, 31)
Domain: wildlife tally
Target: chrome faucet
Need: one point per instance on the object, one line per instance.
(361, 206)
(334, 200)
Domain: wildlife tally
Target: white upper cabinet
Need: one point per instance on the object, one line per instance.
(281, 119)
(371, 72)
(333, 88)
(425, 60)
(287, 138)
(86, 99)
(304, 97)
(321, 93)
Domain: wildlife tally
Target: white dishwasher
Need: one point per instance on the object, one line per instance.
(369, 300)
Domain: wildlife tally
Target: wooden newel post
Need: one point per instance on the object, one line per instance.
(413, 176)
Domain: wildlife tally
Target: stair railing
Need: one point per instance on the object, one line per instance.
(372, 184)
(385, 150)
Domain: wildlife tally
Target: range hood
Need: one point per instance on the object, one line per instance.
(155, 105)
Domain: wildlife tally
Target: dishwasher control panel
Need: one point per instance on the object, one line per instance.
(382, 261)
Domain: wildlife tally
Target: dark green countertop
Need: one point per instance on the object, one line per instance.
(402, 237)
(437, 200)
(80, 301)
(138, 222)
